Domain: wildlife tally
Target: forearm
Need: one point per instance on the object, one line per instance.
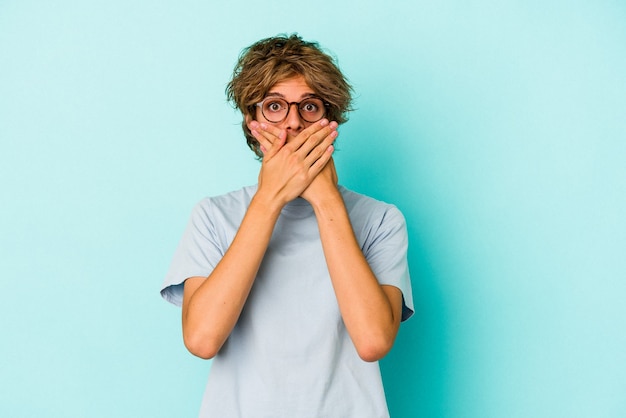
(212, 305)
(370, 317)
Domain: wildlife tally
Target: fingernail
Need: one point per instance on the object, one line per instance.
(263, 126)
(324, 122)
(334, 125)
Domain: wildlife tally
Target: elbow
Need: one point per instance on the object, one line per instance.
(374, 349)
(201, 347)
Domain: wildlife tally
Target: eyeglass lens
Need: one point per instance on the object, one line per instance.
(276, 109)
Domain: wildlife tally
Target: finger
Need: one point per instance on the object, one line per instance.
(276, 146)
(276, 136)
(317, 143)
(264, 142)
(270, 130)
(270, 141)
(316, 147)
(303, 137)
(321, 162)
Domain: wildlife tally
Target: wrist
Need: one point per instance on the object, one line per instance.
(268, 205)
(327, 202)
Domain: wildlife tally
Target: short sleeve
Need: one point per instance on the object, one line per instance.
(386, 252)
(197, 254)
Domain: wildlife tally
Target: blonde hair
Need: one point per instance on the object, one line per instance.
(269, 61)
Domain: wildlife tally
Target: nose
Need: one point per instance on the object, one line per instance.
(294, 122)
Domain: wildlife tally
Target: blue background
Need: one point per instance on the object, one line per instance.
(497, 127)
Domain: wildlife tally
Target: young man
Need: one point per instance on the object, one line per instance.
(295, 286)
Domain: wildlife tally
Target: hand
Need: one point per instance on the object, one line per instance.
(323, 185)
(289, 167)
(271, 139)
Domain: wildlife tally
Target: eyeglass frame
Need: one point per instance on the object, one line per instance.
(289, 104)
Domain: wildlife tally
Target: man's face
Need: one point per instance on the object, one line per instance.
(291, 90)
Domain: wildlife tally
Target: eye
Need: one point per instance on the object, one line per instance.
(274, 106)
(311, 106)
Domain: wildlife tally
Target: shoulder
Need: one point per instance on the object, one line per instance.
(362, 206)
(226, 202)
(223, 209)
(234, 198)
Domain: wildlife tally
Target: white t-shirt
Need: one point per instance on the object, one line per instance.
(289, 355)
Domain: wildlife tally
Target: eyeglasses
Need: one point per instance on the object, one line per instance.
(275, 109)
